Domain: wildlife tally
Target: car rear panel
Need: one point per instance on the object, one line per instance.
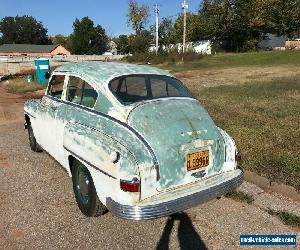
(175, 128)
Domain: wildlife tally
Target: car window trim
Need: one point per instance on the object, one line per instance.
(148, 76)
(86, 81)
(64, 85)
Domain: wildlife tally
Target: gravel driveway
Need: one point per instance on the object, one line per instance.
(38, 208)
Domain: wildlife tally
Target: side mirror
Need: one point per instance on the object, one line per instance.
(47, 75)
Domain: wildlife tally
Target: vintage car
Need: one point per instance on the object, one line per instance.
(133, 138)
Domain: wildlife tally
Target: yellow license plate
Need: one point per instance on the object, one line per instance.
(197, 160)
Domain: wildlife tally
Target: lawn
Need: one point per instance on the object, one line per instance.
(222, 60)
(18, 85)
(264, 119)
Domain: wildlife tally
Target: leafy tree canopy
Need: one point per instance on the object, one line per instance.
(123, 44)
(137, 16)
(23, 29)
(88, 39)
(140, 43)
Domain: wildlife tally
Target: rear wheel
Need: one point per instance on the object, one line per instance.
(85, 192)
(32, 141)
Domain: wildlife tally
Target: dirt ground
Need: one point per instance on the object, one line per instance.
(38, 208)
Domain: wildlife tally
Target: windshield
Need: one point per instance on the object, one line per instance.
(135, 88)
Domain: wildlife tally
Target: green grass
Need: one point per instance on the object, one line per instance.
(288, 218)
(264, 120)
(229, 60)
(18, 85)
(240, 196)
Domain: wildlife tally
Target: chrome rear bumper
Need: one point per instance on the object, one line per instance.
(173, 206)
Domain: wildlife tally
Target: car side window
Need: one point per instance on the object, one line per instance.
(136, 86)
(161, 88)
(80, 92)
(74, 91)
(89, 96)
(56, 86)
(130, 88)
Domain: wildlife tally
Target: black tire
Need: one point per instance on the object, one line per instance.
(85, 192)
(32, 141)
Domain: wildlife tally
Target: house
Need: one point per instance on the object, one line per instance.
(111, 48)
(293, 44)
(199, 47)
(32, 50)
(272, 41)
(202, 47)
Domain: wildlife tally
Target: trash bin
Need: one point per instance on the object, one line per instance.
(42, 66)
(29, 78)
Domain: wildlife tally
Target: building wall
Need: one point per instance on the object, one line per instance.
(60, 50)
(271, 41)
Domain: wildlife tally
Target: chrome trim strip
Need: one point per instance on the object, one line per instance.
(170, 207)
(155, 161)
(88, 163)
(29, 114)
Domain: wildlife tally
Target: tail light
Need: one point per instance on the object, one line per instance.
(238, 156)
(130, 186)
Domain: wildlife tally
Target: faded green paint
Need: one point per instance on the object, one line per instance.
(103, 104)
(101, 72)
(104, 136)
(172, 127)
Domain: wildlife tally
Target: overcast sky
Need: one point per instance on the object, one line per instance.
(59, 15)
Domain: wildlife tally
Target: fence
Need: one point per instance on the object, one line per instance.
(25, 64)
(292, 44)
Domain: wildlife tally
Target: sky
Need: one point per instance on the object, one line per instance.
(58, 15)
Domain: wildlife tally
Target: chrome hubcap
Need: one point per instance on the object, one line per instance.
(83, 185)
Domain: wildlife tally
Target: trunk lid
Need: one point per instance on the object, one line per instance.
(175, 128)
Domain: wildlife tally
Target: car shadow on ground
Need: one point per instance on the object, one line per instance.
(187, 235)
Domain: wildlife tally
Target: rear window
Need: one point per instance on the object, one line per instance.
(130, 89)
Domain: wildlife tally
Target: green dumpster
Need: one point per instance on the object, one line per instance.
(42, 66)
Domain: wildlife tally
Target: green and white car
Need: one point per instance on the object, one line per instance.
(133, 138)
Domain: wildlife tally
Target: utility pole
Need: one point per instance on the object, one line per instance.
(184, 8)
(156, 28)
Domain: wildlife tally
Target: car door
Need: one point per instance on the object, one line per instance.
(79, 95)
(47, 122)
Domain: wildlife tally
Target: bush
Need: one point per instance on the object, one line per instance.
(163, 57)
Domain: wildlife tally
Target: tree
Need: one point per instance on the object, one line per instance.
(239, 25)
(165, 31)
(137, 16)
(23, 29)
(123, 44)
(140, 43)
(235, 24)
(65, 41)
(7, 29)
(87, 38)
(60, 39)
(194, 28)
(284, 16)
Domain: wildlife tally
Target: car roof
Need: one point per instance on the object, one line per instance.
(102, 72)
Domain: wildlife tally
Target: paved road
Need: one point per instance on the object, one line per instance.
(38, 209)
